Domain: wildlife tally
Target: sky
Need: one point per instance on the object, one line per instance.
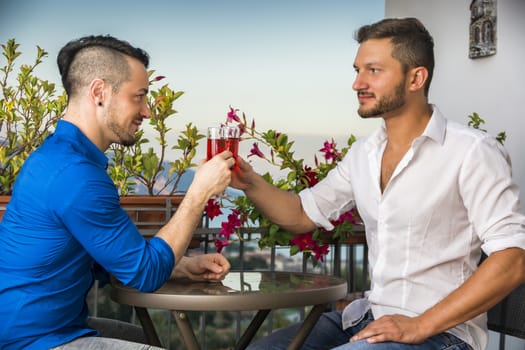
(285, 63)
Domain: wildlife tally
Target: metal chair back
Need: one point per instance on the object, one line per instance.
(508, 316)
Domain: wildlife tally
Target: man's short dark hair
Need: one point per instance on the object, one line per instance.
(90, 57)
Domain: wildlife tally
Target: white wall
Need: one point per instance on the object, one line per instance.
(492, 86)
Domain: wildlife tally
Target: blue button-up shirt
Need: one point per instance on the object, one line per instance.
(64, 216)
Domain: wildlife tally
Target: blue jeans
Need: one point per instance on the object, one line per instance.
(113, 335)
(328, 334)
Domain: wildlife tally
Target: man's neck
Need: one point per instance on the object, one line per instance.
(87, 126)
(408, 124)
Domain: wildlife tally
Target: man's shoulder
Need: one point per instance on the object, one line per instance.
(468, 136)
(62, 163)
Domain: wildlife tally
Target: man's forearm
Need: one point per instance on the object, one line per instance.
(281, 207)
(178, 232)
(496, 277)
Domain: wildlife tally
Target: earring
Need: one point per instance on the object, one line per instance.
(100, 104)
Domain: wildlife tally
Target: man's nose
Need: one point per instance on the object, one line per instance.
(145, 111)
(359, 83)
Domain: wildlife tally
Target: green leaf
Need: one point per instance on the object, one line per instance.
(294, 250)
(150, 162)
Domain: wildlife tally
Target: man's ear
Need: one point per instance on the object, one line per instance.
(97, 91)
(418, 78)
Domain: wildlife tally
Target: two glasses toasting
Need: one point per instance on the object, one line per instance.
(222, 138)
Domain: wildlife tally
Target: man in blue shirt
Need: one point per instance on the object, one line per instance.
(64, 215)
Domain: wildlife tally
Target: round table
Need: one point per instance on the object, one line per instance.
(239, 291)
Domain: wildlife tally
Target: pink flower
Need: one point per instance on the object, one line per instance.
(350, 216)
(229, 227)
(255, 151)
(213, 209)
(320, 252)
(303, 241)
(226, 229)
(242, 129)
(232, 116)
(159, 77)
(329, 150)
(220, 244)
(311, 176)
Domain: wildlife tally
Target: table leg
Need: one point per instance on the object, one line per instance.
(188, 337)
(252, 329)
(148, 327)
(308, 323)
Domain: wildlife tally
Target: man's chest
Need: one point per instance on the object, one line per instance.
(389, 162)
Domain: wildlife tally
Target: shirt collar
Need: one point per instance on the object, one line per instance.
(436, 127)
(69, 131)
(434, 130)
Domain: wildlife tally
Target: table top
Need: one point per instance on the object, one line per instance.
(239, 291)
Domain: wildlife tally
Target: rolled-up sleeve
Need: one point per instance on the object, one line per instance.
(330, 198)
(492, 197)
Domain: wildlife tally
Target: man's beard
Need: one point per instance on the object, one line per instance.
(386, 104)
(127, 141)
(123, 135)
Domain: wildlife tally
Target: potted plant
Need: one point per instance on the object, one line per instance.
(276, 149)
(30, 108)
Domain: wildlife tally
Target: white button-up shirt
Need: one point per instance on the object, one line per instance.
(450, 195)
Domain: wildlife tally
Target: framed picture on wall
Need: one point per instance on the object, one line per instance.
(483, 20)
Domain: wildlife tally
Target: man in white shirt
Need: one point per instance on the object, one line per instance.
(433, 195)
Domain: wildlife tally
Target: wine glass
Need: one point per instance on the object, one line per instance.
(231, 135)
(216, 142)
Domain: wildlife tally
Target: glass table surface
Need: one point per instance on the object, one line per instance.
(246, 290)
